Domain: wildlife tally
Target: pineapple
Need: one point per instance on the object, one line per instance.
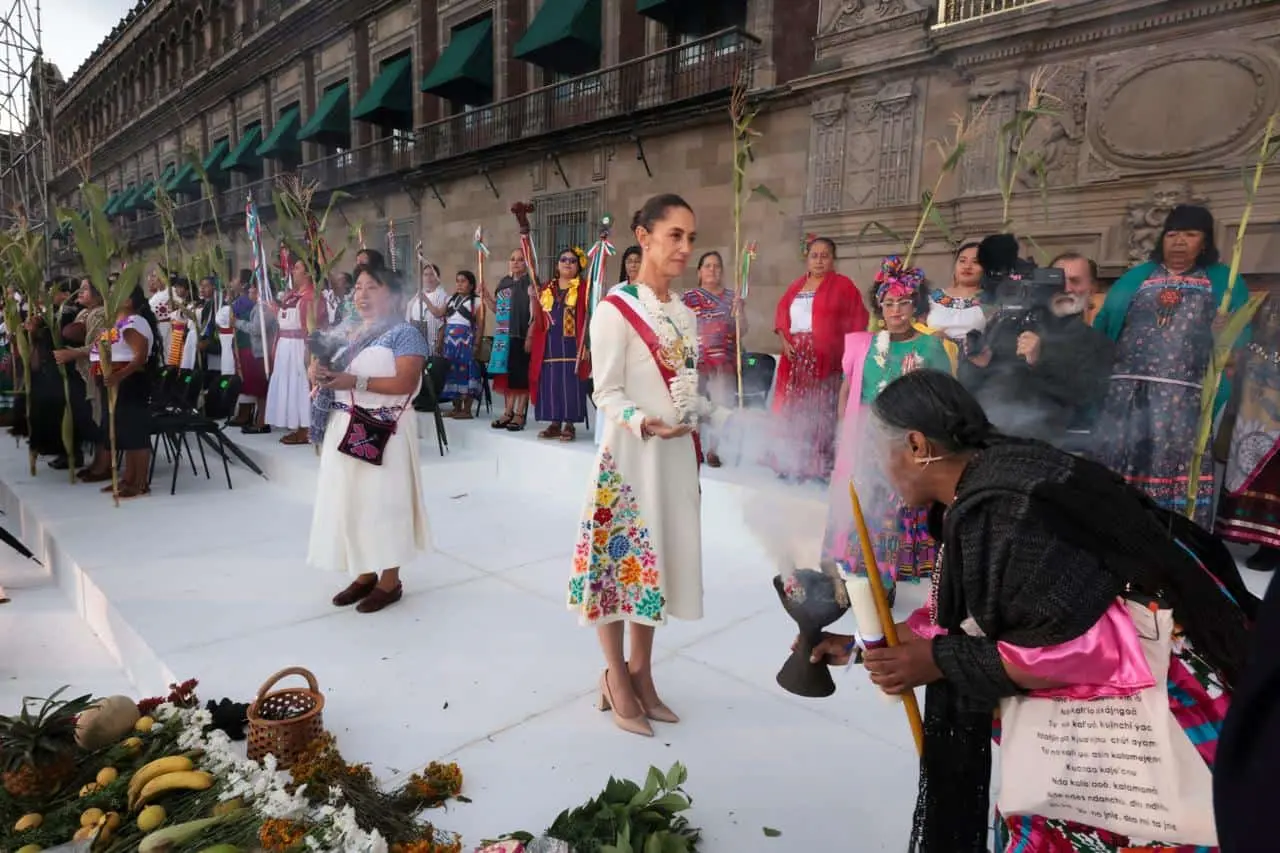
(38, 751)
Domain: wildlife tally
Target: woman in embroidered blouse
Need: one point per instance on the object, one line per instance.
(133, 345)
(464, 322)
(369, 518)
(638, 557)
(716, 306)
(1162, 316)
(956, 311)
(560, 364)
(812, 319)
(903, 547)
(1056, 580)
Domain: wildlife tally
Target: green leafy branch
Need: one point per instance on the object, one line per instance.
(1231, 324)
(294, 200)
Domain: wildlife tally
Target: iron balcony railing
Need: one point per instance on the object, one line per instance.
(962, 11)
(692, 71)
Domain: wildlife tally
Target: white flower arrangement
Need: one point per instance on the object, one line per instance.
(677, 332)
(264, 787)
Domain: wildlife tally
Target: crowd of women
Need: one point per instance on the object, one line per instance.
(1057, 578)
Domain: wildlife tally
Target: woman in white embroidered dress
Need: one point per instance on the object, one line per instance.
(299, 312)
(369, 518)
(639, 551)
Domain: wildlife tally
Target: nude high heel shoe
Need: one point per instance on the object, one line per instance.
(660, 713)
(635, 725)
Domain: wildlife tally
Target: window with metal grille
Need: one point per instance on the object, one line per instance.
(561, 221)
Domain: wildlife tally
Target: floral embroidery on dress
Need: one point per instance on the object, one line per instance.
(615, 569)
(959, 303)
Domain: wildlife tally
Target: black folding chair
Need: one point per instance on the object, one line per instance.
(757, 379)
(434, 375)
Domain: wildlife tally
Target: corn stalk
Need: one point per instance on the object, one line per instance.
(1231, 324)
(742, 115)
(25, 270)
(100, 248)
(294, 200)
(1015, 156)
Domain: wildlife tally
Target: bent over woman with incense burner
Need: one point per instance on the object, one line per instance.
(1061, 594)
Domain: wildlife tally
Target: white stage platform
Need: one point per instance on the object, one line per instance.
(480, 663)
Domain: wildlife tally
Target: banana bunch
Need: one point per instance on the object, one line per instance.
(174, 773)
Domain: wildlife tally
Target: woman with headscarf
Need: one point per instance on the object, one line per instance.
(1162, 316)
(812, 319)
(1107, 631)
(903, 547)
(560, 365)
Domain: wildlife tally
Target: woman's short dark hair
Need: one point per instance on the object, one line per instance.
(967, 245)
(655, 210)
(246, 276)
(936, 405)
(383, 276)
(470, 277)
(826, 241)
(712, 254)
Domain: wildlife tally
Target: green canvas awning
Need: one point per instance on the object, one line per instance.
(109, 209)
(681, 16)
(464, 72)
(244, 158)
(564, 37)
(212, 163)
(330, 124)
(125, 203)
(143, 197)
(153, 188)
(185, 180)
(282, 143)
(389, 101)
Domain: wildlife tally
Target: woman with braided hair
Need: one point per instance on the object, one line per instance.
(1052, 582)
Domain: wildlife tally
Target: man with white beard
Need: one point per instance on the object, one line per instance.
(1046, 381)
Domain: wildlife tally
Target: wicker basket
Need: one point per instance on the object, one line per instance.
(284, 723)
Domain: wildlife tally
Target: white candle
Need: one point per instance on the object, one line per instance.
(863, 604)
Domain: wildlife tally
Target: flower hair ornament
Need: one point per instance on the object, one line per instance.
(896, 281)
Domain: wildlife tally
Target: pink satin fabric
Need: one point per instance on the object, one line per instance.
(1106, 661)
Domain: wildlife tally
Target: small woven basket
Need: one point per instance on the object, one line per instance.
(285, 722)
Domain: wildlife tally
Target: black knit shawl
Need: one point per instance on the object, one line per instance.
(1038, 544)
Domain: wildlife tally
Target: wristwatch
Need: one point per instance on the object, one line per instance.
(362, 383)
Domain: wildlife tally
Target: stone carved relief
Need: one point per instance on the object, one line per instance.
(1205, 104)
(826, 155)
(863, 155)
(980, 165)
(851, 13)
(1144, 220)
(1058, 138)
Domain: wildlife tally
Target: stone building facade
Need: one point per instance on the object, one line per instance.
(438, 115)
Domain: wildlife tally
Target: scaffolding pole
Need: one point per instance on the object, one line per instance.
(26, 116)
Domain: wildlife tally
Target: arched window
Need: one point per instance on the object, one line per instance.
(200, 36)
(161, 75)
(175, 58)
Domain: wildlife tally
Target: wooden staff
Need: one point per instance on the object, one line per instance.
(876, 582)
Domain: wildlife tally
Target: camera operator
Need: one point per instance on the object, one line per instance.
(1039, 370)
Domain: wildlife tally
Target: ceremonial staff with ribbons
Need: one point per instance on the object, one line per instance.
(740, 305)
(598, 258)
(393, 263)
(253, 227)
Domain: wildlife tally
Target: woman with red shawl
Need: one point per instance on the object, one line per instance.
(812, 319)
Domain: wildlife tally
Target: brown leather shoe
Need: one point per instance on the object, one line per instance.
(356, 591)
(380, 598)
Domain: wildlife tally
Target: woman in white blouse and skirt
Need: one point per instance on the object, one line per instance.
(638, 557)
(369, 517)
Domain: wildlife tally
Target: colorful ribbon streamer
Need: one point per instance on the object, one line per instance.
(392, 261)
(599, 256)
(253, 227)
(744, 276)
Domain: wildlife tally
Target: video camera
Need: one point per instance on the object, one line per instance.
(1019, 291)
